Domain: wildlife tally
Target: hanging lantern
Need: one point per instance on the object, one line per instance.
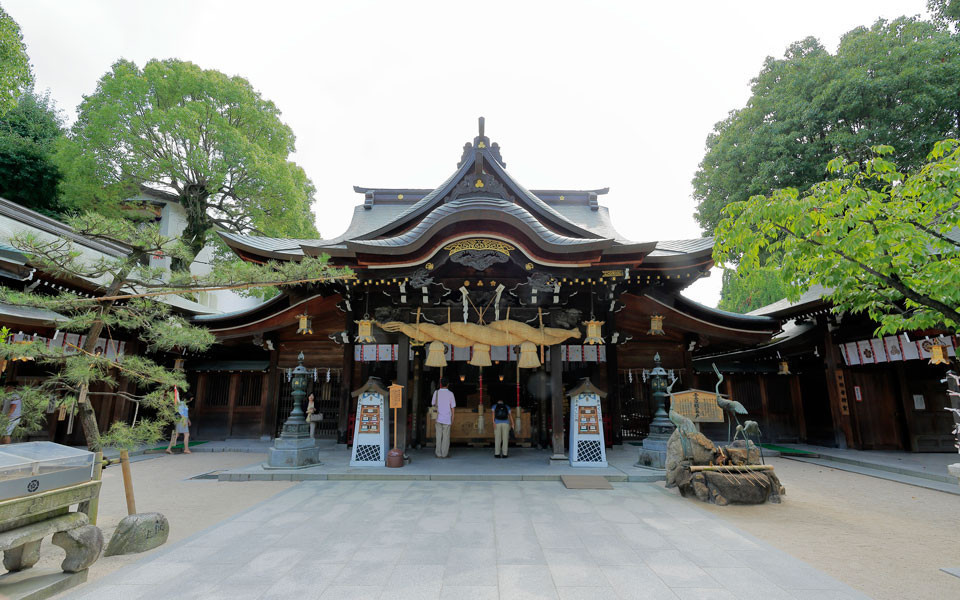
(656, 325)
(463, 377)
(178, 364)
(364, 335)
(938, 353)
(306, 325)
(593, 332)
(528, 356)
(481, 356)
(435, 355)
(784, 368)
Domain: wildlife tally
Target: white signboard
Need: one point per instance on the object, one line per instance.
(370, 431)
(587, 448)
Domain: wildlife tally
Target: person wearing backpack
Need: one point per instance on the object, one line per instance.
(502, 424)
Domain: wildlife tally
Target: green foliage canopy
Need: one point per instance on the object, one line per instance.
(896, 83)
(210, 139)
(886, 242)
(15, 73)
(29, 134)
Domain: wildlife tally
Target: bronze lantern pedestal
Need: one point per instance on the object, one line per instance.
(295, 449)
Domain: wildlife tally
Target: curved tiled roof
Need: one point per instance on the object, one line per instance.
(478, 207)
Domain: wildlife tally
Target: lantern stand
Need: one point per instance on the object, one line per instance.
(654, 452)
(294, 449)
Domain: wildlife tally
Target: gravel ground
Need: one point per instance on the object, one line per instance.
(884, 538)
(161, 483)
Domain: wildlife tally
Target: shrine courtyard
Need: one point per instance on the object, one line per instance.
(836, 535)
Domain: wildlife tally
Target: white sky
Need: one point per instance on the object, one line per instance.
(579, 95)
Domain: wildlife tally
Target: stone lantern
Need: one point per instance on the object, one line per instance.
(294, 449)
(654, 451)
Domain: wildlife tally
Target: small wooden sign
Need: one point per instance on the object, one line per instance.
(396, 396)
(697, 405)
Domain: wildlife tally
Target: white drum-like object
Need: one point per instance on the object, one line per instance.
(370, 430)
(587, 448)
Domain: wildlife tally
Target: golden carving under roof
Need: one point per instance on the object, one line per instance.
(479, 244)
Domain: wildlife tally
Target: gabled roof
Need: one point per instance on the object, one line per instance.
(397, 220)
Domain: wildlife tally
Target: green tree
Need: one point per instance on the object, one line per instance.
(886, 242)
(29, 134)
(130, 303)
(15, 73)
(210, 139)
(742, 293)
(896, 83)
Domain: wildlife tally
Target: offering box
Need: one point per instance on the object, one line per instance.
(33, 467)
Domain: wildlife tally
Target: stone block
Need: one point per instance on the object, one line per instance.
(22, 557)
(138, 533)
(82, 545)
(291, 458)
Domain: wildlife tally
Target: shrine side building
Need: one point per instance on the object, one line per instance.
(478, 248)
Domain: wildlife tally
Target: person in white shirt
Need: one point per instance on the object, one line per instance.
(446, 405)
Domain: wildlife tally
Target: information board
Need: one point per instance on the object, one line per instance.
(370, 419)
(396, 396)
(588, 419)
(370, 430)
(697, 405)
(587, 448)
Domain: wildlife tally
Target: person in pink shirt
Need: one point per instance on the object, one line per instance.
(446, 404)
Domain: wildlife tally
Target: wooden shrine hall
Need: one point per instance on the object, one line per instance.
(521, 293)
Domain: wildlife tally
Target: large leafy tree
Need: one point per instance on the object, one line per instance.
(130, 305)
(896, 83)
(886, 242)
(29, 134)
(15, 73)
(208, 138)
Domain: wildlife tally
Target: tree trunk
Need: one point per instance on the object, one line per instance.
(194, 201)
(88, 417)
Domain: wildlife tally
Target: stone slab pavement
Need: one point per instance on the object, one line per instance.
(476, 464)
(469, 539)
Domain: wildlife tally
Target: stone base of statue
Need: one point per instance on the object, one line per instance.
(654, 452)
(294, 449)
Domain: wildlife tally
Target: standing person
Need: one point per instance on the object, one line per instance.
(446, 405)
(182, 426)
(12, 410)
(502, 424)
(311, 409)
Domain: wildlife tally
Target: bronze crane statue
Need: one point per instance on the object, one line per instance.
(729, 406)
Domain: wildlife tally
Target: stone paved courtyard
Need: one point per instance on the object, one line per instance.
(429, 539)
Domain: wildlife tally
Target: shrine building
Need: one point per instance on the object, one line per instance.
(528, 291)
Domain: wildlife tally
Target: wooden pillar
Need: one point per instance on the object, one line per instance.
(544, 404)
(403, 373)
(232, 401)
(797, 402)
(764, 402)
(556, 404)
(837, 393)
(268, 416)
(416, 439)
(343, 414)
(908, 412)
(613, 394)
